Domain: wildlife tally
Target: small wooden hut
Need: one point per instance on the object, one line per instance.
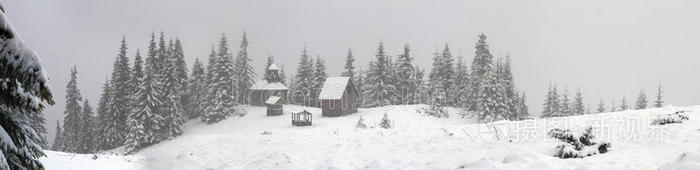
(270, 86)
(274, 106)
(339, 97)
(302, 118)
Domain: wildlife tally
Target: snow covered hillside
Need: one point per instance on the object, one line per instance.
(70, 161)
(416, 142)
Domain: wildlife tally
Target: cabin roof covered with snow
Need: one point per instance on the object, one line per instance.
(273, 100)
(334, 87)
(264, 85)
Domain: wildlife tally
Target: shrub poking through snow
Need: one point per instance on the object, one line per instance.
(386, 123)
(577, 145)
(361, 123)
(676, 117)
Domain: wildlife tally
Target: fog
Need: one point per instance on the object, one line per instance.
(607, 48)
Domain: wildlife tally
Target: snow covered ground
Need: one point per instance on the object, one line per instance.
(416, 142)
(70, 161)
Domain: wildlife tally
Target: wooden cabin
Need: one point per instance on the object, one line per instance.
(270, 86)
(339, 97)
(302, 118)
(274, 106)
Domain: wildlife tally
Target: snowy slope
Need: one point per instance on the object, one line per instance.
(69, 161)
(421, 142)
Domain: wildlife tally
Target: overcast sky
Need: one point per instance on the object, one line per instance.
(607, 48)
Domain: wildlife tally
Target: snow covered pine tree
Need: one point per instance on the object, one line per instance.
(24, 89)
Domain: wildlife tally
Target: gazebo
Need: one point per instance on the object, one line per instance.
(302, 118)
(274, 106)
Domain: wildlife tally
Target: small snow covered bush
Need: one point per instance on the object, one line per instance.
(577, 145)
(361, 123)
(677, 117)
(385, 123)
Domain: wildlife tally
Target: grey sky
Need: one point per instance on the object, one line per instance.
(608, 48)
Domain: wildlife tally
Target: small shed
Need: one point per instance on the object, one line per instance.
(302, 118)
(274, 106)
(270, 86)
(339, 97)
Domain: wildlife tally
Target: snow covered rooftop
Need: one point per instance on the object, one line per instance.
(333, 88)
(264, 85)
(273, 100)
(272, 67)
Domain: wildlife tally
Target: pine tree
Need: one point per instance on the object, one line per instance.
(392, 79)
(210, 79)
(269, 62)
(197, 90)
(436, 77)
(245, 76)
(443, 72)
(379, 90)
(161, 53)
(565, 104)
(24, 90)
(406, 83)
(37, 123)
(58, 141)
(84, 135)
(137, 73)
(102, 113)
(178, 55)
(283, 76)
(349, 69)
(461, 91)
(511, 94)
(577, 107)
(523, 111)
(437, 108)
(623, 105)
(641, 100)
(303, 78)
(172, 110)
(72, 114)
(490, 105)
(220, 91)
(319, 77)
(144, 122)
(483, 61)
(422, 88)
(385, 122)
(360, 85)
(505, 86)
(551, 104)
(94, 133)
(659, 93)
(113, 126)
(601, 107)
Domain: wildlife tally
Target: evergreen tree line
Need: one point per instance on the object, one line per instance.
(488, 90)
(148, 102)
(556, 105)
